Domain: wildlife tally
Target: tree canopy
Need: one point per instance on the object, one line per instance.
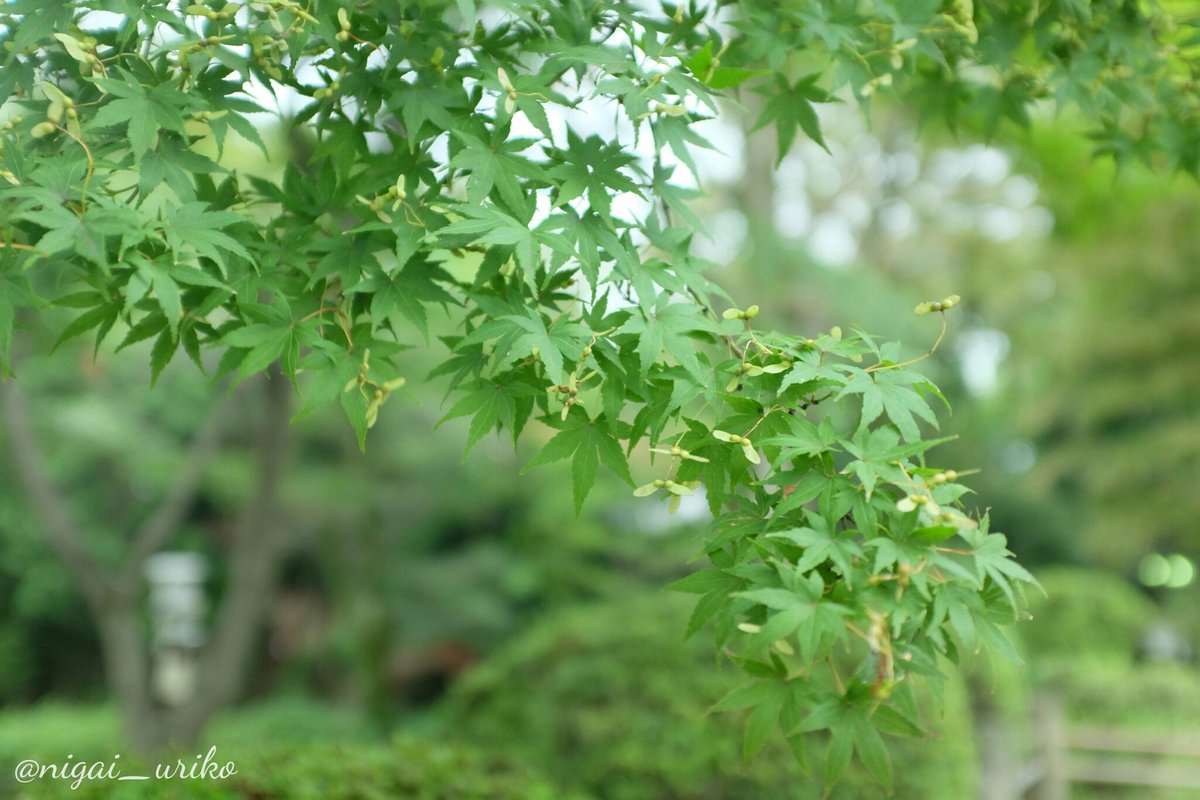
(525, 168)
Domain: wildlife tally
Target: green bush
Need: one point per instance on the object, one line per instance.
(285, 749)
(1085, 614)
(50, 731)
(1158, 695)
(406, 768)
(600, 699)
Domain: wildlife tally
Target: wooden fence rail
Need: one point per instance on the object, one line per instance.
(1095, 755)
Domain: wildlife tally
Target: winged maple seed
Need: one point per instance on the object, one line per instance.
(748, 448)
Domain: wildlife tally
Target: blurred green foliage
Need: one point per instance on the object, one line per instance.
(1086, 615)
(287, 749)
(1101, 378)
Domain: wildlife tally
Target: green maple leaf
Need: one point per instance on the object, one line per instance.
(821, 543)
(562, 338)
(791, 107)
(423, 102)
(719, 77)
(405, 292)
(678, 134)
(141, 112)
(676, 197)
(587, 442)
(495, 164)
(874, 452)
(593, 167)
(994, 560)
(667, 326)
(166, 290)
(265, 342)
(68, 231)
(489, 404)
(192, 226)
(888, 390)
(490, 225)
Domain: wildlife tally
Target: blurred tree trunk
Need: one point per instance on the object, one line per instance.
(114, 596)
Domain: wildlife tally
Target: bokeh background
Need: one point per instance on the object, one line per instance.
(447, 629)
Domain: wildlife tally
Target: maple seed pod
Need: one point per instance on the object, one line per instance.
(506, 84)
(732, 313)
(836, 332)
(923, 308)
(751, 312)
(749, 627)
(342, 36)
(43, 129)
(343, 19)
(950, 302)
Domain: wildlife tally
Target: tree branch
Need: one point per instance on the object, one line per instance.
(254, 556)
(170, 512)
(49, 504)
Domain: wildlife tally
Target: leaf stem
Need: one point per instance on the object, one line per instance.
(91, 168)
(941, 335)
(837, 679)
